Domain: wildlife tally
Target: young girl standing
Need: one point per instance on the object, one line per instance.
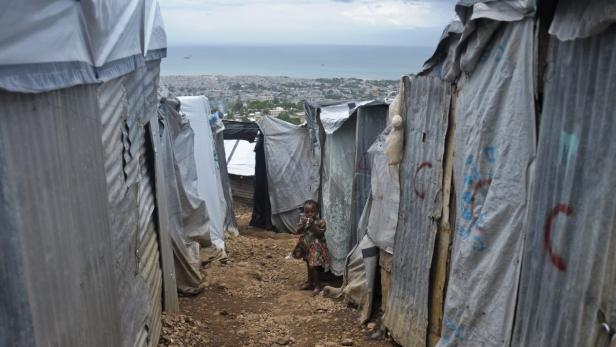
(312, 247)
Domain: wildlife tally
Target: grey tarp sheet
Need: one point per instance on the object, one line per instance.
(57, 270)
(67, 43)
(230, 224)
(360, 277)
(337, 188)
(581, 19)
(426, 103)
(187, 213)
(209, 181)
(384, 196)
(568, 284)
(292, 167)
(378, 225)
(192, 209)
(495, 143)
(371, 121)
(443, 63)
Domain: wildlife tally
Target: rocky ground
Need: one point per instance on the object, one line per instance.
(252, 299)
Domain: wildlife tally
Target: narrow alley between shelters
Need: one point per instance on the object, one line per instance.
(253, 299)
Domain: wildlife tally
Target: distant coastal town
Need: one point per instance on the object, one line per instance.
(248, 98)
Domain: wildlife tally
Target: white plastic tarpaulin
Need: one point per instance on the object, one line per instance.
(209, 186)
(292, 168)
(240, 157)
(333, 116)
(47, 45)
(495, 144)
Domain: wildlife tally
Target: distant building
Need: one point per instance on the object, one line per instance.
(276, 111)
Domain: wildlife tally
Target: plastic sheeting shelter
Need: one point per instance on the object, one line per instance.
(292, 169)
(209, 182)
(350, 128)
(378, 225)
(186, 212)
(259, 196)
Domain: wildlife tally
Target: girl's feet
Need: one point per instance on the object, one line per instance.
(306, 286)
(316, 291)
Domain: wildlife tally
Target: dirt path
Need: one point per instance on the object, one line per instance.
(253, 300)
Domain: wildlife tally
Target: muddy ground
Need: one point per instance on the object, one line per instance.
(253, 299)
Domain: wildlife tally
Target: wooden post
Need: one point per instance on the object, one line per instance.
(440, 261)
(170, 291)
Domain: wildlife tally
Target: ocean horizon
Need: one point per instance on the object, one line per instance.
(297, 61)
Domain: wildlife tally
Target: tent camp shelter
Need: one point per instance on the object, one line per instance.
(348, 129)
(247, 171)
(86, 261)
(208, 174)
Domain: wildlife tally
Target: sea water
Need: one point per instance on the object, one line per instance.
(299, 61)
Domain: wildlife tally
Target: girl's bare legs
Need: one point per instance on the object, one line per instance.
(315, 279)
(308, 285)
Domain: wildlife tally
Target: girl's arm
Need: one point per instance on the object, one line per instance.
(318, 228)
(298, 228)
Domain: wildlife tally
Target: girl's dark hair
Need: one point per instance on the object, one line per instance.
(313, 203)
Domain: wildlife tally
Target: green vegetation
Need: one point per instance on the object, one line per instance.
(287, 117)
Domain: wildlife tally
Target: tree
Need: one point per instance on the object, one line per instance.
(237, 106)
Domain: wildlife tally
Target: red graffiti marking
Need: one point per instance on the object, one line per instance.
(476, 187)
(555, 258)
(425, 164)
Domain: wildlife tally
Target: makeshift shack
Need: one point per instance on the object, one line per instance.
(349, 129)
(86, 259)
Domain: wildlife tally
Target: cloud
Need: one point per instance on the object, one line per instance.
(305, 21)
(395, 14)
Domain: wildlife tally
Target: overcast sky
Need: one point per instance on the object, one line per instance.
(370, 22)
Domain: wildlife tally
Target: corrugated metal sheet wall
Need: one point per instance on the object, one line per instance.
(125, 105)
(54, 195)
(568, 284)
(427, 101)
(554, 213)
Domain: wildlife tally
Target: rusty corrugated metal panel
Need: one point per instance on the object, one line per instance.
(568, 282)
(426, 104)
(54, 198)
